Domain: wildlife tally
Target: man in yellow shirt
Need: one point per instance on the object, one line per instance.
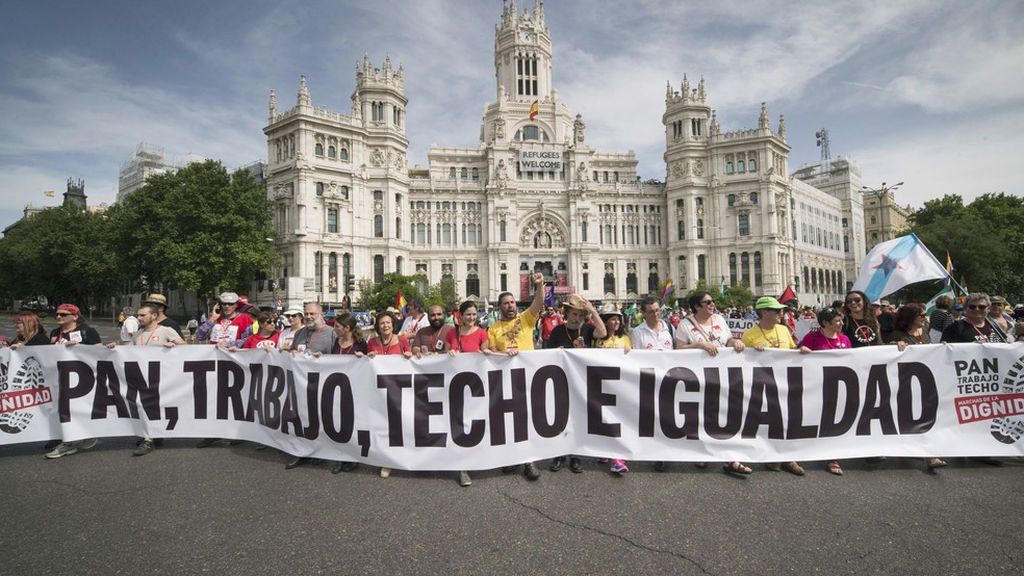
(512, 333)
(769, 333)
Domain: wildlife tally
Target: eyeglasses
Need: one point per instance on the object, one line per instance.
(854, 301)
(707, 302)
(293, 315)
(977, 307)
(228, 304)
(63, 314)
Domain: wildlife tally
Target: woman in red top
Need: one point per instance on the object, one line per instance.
(385, 340)
(469, 337)
(267, 337)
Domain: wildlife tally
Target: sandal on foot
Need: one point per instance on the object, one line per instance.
(934, 463)
(835, 468)
(737, 468)
(793, 468)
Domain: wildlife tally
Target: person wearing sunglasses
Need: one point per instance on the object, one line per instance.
(226, 326)
(975, 325)
(71, 328)
(293, 316)
(860, 323)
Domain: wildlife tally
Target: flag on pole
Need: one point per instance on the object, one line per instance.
(787, 295)
(963, 286)
(667, 290)
(401, 304)
(949, 269)
(947, 290)
(534, 109)
(894, 264)
(49, 193)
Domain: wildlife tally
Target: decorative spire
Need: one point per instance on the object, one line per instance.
(686, 88)
(782, 127)
(668, 91)
(762, 120)
(273, 105)
(387, 66)
(366, 63)
(715, 129)
(540, 13)
(701, 95)
(303, 91)
(512, 11)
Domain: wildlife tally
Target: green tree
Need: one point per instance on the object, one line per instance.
(984, 238)
(443, 293)
(63, 253)
(199, 229)
(381, 295)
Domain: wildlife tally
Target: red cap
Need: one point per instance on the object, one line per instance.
(69, 308)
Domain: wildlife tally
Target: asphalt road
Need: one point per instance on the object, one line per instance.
(234, 510)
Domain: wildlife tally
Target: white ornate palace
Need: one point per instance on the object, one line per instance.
(535, 196)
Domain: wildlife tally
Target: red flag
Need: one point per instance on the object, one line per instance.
(787, 295)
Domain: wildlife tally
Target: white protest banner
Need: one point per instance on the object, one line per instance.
(476, 412)
(739, 325)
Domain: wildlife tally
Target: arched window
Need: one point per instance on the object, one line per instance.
(700, 229)
(609, 283)
(752, 165)
(464, 173)
(332, 152)
(421, 233)
(757, 269)
(741, 166)
(398, 264)
(728, 168)
(398, 228)
(451, 173)
(702, 267)
(731, 198)
(753, 197)
(378, 226)
(501, 231)
(378, 268)
(743, 224)
(476, 173)
(378, 195)
(446, 234)
(732, 269)
(319, 149)
(332, 220)
(583, 232)
(343, 155)
(745, 267)
(344, 192)
(319, 188)
(542, 240)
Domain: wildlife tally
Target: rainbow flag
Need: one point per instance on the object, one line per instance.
(534, 109)
(949, 269)
(666, 290)
(400, 303)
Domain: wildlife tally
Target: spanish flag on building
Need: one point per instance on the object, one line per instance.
(534, 109)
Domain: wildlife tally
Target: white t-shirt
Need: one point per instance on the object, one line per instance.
(411, 324)
(690, 331)
(128, 328)
(158, 337)
(643, 338)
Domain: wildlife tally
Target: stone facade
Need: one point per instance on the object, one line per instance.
(347, 207)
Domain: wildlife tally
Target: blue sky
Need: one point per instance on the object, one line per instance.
(930, 93)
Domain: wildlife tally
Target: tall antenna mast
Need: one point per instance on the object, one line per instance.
(826, 152)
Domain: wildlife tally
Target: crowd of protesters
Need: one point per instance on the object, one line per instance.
(234, 324)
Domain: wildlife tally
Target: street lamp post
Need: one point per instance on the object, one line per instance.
(880, 193)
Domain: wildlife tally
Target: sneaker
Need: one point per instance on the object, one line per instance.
(619, 467)
(530, 471)
(575, 465)
(556, 464)
(87, 444)
(63, 449)
(340, 467)
(464, 479)
(51, 445)
(385, 472)
(144, 447)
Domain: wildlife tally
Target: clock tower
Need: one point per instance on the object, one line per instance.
(522, 54)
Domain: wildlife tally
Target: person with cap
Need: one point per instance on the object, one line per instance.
(151, 333)
(615, 338)
(129, 325)
(293, 316)
(707, 330)
(512, 333)
(1002, 321)
(161, 303)
(226, 326)
(576, 332)
(768, 333)
(72, 330)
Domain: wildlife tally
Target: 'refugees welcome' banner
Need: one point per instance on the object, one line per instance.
(476, 412)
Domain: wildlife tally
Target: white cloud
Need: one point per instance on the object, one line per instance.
(968, 157)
